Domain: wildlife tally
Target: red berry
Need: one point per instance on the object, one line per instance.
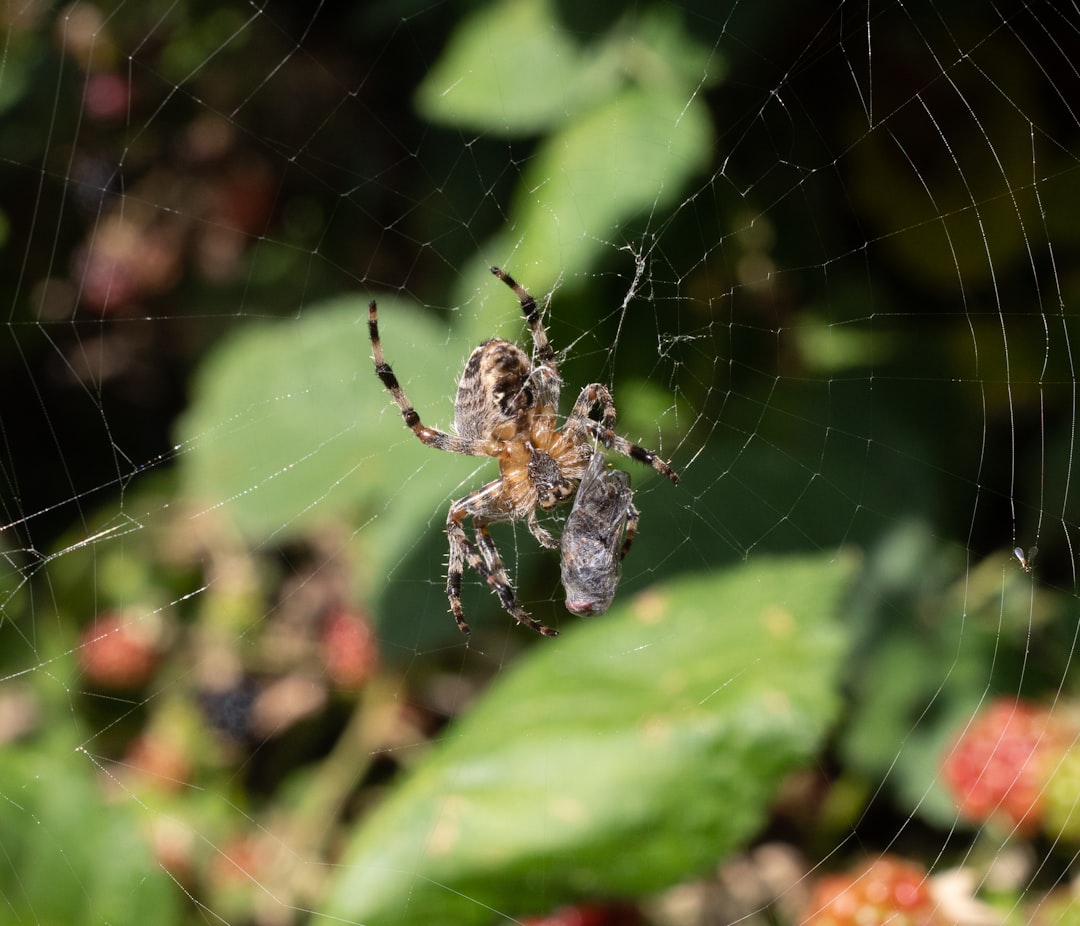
(106, 96)
(240, 861)
(348, 648)
(118, 651)
(158, 761)
(1000, 763)
(597, 914)
(173, 844)
(884, 890)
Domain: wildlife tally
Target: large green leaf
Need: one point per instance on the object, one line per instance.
(289, 426)
(625, 129)
(510, 67)
(622, 757)
(632, 155)
(513, 67)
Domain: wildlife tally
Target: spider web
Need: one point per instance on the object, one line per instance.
(823, 255)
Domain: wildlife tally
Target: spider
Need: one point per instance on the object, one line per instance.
(596, 537)
(507, 408)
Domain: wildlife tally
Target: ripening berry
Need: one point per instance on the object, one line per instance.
(119, 652)
(596, 914)
(159, 761)
(885, 890)
(1000, 764)
(348, 648)
(106, 96)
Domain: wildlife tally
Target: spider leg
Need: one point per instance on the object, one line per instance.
(500, 583)
(592, 395)
(542, 536)
(596, 394)
(440, 440)
(632, 519)
(482, 556)
(459, 552)
(544, 351)
(629, 449)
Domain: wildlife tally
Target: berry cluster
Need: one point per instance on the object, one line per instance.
(883, 890)
(1016, 763)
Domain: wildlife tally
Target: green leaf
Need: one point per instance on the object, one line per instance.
(630, 156)
(511, 68)
(24, 50)
(68, 856)
(290, 427)
(627, 755)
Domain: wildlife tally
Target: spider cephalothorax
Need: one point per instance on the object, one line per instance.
(507, 408)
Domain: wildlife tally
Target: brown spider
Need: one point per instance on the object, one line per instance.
(596, 537)
(508, 409)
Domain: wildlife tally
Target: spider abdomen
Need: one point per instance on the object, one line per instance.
(495, 394)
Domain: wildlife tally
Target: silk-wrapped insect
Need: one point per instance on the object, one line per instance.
(596, 537)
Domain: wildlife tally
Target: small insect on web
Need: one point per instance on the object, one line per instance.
(507, 408)
(596, 537)
(1026, 560)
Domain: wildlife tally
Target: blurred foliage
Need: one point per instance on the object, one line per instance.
(625, 128)
(209, 480)
(585, 750)
(70, 857)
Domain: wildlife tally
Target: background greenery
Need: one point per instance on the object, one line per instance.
(839, 335)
